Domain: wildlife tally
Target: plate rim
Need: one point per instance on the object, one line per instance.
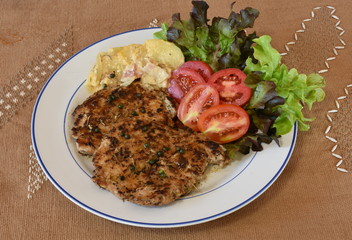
(131, 222)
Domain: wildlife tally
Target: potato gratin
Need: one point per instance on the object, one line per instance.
(152, 62)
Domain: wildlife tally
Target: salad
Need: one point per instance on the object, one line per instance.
(233, 86)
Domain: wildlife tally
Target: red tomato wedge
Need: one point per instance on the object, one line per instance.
(181, 81)
(224, 123)
(201, 67)
(231, 87)
(197, 100)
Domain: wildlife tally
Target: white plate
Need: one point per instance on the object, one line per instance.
(225, 190)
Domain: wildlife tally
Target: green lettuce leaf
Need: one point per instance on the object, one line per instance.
(268, 59)
(263, 92)
(297, 89)
(163, 33)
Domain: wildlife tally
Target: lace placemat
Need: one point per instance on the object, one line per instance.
(25, 87)
(339, 130)
(317, 41)
(320, 44)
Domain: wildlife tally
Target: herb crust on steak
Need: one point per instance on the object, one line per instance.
(141, 152)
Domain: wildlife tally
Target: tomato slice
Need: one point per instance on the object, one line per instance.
(231, 87)
(201, 67)
(182, 80)
(197, 100)
(224, 123)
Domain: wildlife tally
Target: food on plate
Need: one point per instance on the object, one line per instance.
(277, 94)
(92, 118)
(152, 62)
(231, 87)
(231, 95)
(224, 123)
(201, 67)
(197, 100)
(140, 151)
(154, 166)
(182, 80)
(297, 89)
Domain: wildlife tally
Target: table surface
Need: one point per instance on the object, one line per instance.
(310, 200)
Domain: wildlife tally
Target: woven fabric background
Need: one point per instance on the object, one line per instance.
(310, 200)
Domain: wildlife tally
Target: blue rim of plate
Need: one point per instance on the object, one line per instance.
(136, 223)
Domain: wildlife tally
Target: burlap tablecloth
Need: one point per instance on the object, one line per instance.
(311, 199)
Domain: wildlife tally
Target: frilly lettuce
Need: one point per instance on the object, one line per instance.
(222, 44)
(297, 89)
